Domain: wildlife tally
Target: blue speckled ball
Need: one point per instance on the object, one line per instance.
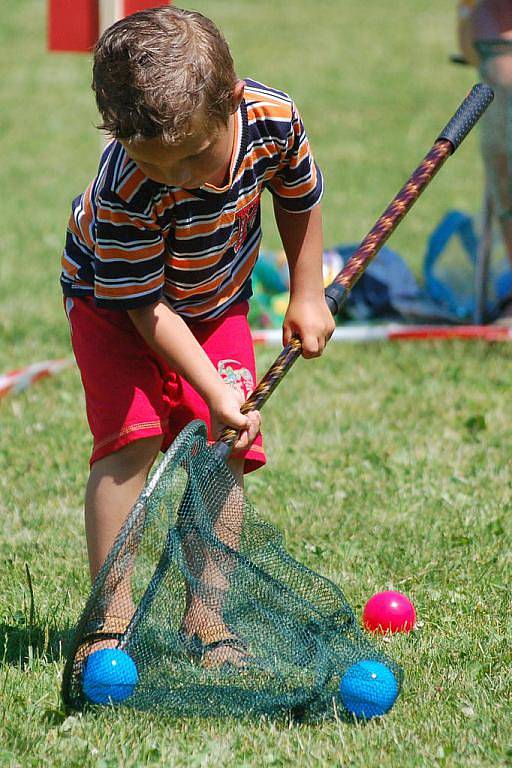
(110, 676)
(368, 689)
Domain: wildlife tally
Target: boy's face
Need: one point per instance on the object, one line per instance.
(201, 157)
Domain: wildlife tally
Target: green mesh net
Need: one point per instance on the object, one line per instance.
(211, 614)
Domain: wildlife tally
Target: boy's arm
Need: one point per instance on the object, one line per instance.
(168, 335)
(308, 315)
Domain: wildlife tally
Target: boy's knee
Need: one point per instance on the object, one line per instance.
(236, 465)
(146, 449)
(137, 456)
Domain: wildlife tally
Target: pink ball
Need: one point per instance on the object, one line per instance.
(389, 612)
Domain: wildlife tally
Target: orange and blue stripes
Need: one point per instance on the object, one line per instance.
(131, 240)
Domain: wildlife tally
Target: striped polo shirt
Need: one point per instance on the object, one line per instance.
(131, 240)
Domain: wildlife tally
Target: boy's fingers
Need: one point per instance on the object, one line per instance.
(254, 426)
(311, 347)
(240, 421)
(242, 443)
(254, 418)
(248, 435)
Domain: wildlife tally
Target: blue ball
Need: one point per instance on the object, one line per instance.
(368, 689)
(110, 675)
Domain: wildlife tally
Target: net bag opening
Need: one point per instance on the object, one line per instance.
(199, 609)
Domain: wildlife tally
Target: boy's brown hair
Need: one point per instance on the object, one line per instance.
(155, 69)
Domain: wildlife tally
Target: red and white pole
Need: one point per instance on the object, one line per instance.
(75, 25)
(111, 11)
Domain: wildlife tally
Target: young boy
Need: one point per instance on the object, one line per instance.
(161, 245)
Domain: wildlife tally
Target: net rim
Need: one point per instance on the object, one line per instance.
(174, 455)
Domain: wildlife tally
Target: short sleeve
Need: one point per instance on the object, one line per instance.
(297, 184)
(128, 256)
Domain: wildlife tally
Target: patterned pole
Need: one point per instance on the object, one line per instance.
(467, 115)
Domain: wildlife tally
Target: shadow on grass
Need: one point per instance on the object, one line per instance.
(20, 644)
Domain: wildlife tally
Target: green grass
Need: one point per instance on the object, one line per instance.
(389, 466)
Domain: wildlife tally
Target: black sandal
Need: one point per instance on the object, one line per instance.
(244, 661)
(198, 650)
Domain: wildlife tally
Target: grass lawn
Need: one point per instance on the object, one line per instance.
(389, 465)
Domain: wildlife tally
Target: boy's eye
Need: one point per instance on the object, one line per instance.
(200, 154)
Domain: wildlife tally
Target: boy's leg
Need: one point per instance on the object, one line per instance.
(128, 413)
(114, 484)
(212, 569)
(228, 343)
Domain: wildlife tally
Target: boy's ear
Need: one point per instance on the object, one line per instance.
(238, 94)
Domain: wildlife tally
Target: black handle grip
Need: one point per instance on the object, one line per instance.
(469, 112)
(335, 295)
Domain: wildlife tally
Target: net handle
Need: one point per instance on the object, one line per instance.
(336, 294)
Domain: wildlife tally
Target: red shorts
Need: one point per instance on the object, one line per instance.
(132, 393)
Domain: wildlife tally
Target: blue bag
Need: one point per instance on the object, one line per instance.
(449, 269)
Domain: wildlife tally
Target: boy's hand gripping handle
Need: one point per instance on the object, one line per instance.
(467, 115)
